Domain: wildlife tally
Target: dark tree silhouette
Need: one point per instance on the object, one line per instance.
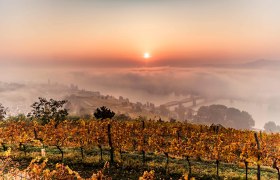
(45, 110)
(3, 111)
(103, 113)
(271, 127)
(229, 117)
(211, 114)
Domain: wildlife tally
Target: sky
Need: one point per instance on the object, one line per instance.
(118, 32)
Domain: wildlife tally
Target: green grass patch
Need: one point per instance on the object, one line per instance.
(131, 166)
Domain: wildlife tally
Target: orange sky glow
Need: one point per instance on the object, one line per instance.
(124, 30)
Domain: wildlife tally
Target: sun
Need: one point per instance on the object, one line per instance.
(146, 55)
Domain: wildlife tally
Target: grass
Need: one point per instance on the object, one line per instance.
(131, 166)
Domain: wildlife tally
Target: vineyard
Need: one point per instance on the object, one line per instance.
(129, 149)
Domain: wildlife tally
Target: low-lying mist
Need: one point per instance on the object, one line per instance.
(255, 90)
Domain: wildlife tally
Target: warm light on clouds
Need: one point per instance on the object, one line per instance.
(118, 30)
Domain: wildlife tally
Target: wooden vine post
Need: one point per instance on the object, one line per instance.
(216, 129)
(143, 143)
(246, 168)
(110, 144)
(276, 167)
(259, 156)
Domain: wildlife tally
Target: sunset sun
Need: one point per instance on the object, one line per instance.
(146, 55)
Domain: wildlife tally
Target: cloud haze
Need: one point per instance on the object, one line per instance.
(253, 89)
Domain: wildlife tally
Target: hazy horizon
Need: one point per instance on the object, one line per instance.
(255, 90)
(219, 49)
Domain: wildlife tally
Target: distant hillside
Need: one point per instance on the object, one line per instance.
(85, 102)
(9, 86)
(262, 64)
(258, 64)
(19, 97)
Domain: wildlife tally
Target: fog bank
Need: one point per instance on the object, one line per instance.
(255, 90)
